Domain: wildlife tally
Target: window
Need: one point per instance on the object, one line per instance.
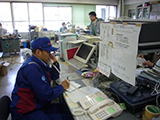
(35, 14)
(54, 16)
(105, 12)
(112, 11)
(20, 18)
(5, 16)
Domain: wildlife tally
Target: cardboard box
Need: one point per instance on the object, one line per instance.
(3, 70)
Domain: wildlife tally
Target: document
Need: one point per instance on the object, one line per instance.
(105, 58)
(124, 65)
(106, 32)
(125, 37)
(73, 86)
(140, 61)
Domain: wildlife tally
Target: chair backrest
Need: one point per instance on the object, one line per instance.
(4, 107)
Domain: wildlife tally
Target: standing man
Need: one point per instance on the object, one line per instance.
(94, 22)
(32, 92)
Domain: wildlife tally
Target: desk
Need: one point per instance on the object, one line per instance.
(124, 116)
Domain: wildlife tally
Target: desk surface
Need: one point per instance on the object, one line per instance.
(125, 114)
(66, 34)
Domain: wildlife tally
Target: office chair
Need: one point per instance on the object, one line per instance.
(4, 107)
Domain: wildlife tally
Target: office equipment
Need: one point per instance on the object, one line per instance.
(78, 112)
(84, 52)
(136, 102)
(77, 64)
(132, 90)
(92, 99)
(105, 109)
(89, 38)
(76, 95)
(82, 55)
(145, 82)
(71, 105)
(64, 45)
(151, 111)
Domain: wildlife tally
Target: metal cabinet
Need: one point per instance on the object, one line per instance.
(10, 45)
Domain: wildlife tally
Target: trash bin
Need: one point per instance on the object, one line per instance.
(25, 44)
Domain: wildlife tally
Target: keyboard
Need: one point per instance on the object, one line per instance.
(77, 64)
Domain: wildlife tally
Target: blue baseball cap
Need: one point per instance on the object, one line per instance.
(43, 43)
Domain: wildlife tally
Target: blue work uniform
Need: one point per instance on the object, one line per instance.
(33, 93)
(93, 28)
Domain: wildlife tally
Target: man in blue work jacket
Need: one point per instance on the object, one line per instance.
(94, 21)
(32, 92)
(63, 28)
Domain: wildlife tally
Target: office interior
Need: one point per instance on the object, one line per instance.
(26, 21)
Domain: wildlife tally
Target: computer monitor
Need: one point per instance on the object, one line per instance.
(84, 52)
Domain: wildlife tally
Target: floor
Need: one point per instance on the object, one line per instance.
(7, 82)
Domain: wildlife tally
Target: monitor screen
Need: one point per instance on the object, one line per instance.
(84, 52)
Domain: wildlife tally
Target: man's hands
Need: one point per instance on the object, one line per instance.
(65, 84)
(53, 57)
(140, 55)
(149, 63)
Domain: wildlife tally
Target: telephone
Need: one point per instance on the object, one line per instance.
(100, 107)
(104, 110)
(92, 99)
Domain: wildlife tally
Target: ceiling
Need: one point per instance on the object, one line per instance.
(136, 1)
(100, 2)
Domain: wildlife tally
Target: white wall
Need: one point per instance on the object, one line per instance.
(127, 2)
(106, 2)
